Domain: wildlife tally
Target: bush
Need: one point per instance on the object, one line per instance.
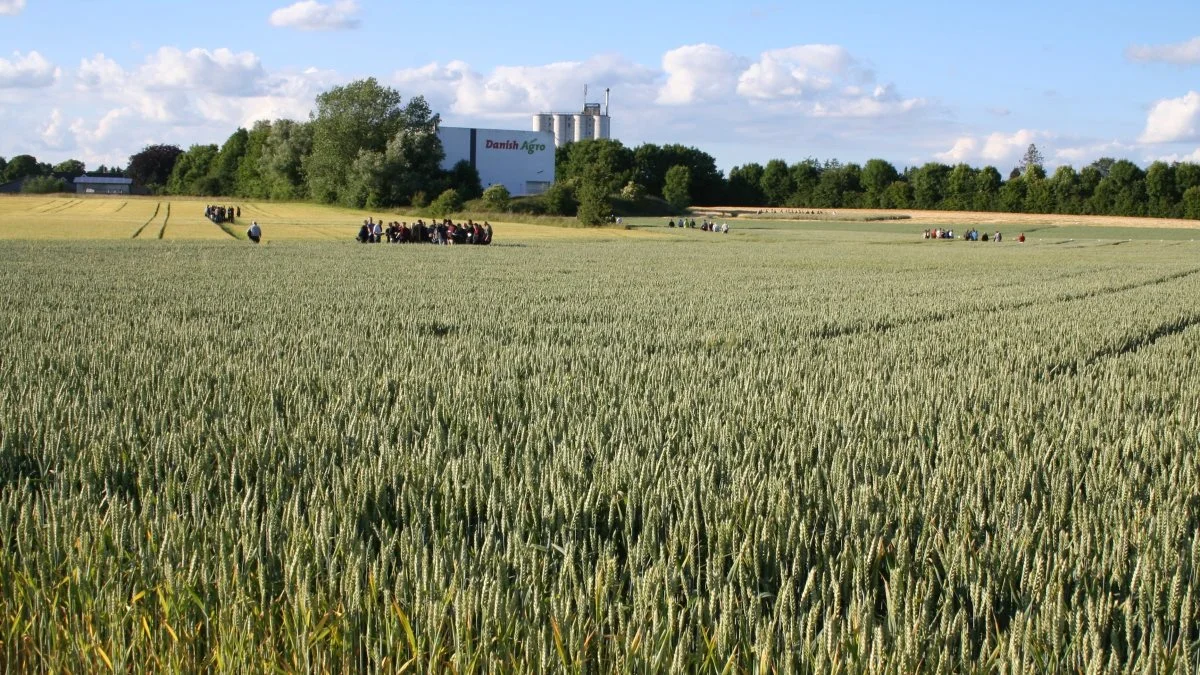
(419, 199)
(497, 198)
(42, 185)
(448, 202)
(560, 200)
(633, 191)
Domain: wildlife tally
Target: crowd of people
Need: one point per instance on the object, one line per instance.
(446, 232)
(971, 235)
(222, 214)
(705, 226)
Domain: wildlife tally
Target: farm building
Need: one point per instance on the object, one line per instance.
(103, 185)
(522, 161)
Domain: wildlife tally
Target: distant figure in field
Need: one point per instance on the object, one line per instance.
(998, 237)
(255, 232)
(1021, 238)
(671, 223)
(364, 233)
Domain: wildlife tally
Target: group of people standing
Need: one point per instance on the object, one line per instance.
(222, 214)
(705, 226)
(444, 233)
(971, 235)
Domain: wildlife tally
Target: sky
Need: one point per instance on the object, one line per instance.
(914, 82)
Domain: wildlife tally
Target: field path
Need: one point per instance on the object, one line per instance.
(163, 230)
(139, 231)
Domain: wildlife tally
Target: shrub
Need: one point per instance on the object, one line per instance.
(44, 185)
(560, 200)
(448, 202)
(497, 198)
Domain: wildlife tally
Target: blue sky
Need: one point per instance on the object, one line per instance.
(909, 82)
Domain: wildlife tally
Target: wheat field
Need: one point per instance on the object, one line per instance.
(648, 450)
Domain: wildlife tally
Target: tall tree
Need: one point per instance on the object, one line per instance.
(1065, 190)
(229, 160)
(877, 176)
(1031, 158)
(282, 161)
(987, 189)
(806, 175)
(929, 185)
(193, 172)
(606, 160)
(1162, 191)
(744, 187)
(22, 166)
(72, 169)
(677, 189)
(960, 188)
(360, 116)
(249, 181)
(776, 183)
(152, 166)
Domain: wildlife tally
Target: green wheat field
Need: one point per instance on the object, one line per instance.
(790, 448)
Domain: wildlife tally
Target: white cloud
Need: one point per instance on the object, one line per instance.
(11, 7)
(1181, 53)
(995, 148)
(1089, 152)
(1173, 120)
(313, 15)
(796, 72)
(516, 91)
(26, 72)
(964, 148)
(52, 132)
(1192, 157)
(219, 72)
(699, 73)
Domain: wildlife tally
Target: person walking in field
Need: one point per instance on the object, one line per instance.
(255, 232)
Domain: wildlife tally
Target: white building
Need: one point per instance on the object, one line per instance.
(522, 161)
(591, 124)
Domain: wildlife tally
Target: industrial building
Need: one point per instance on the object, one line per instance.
(522, 161)
(591, 124)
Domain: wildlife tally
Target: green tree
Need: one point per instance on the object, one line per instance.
(282, 162)
(249, 180)
(651, 163)
(596, 159)
(1187, 175)
(776, 183)
(806, 175)
(229, 159)
(987, 189)
(360, 116)
(152, 167)
(497, 198)
(1038, 197)
(71, 169)
(633, 191)
(1012, 195)
(446, 203)
(1065, 190)
(898, 195)
(560, 199)
(960, 188)
(22, 166)
(44, 185)
(1122, 192)
(1031, 158)
(192, 174)
(877, 176)
(3, 166)
(465, 179)
(1191, 203)
(1162, 191)
(676, 189)
(745, 185)
(929, 185)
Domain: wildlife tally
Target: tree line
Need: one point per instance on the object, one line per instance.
(364, 147)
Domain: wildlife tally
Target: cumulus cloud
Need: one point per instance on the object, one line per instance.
(699, 73)
(964, 148)
(1180, 53)
(313, 15)
(510, 91)
(1173, 120)
(11, 7)
(995, 148)
(1088, 152)
(27, 72)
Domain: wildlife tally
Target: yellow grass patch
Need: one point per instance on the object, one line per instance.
(123, 217)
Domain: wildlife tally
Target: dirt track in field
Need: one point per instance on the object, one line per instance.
(954, 217)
